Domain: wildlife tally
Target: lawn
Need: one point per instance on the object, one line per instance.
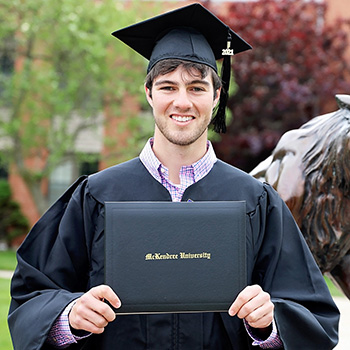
(8, 260)
(333, 289)
(5, 340)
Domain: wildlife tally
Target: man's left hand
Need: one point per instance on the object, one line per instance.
(255, 306)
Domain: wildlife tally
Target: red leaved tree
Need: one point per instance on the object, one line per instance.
(297, 65)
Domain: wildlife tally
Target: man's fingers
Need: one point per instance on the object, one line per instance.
(104, 292)
(258, 305)
(243, 298)
(91, 313)
(88, 306)
(261, 317)
(255, 306)
(88, 320)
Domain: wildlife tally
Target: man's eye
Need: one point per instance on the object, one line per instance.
(167, 88)
(197, 89)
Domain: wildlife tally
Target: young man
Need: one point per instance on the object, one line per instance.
(58, 291)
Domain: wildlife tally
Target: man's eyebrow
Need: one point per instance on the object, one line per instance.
(198, 81)
(191, 82)
(162, 82)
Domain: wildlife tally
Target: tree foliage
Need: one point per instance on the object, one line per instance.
(59, 61)
(12, 222)
(296, 67)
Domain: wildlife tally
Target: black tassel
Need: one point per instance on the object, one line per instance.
(219, 121)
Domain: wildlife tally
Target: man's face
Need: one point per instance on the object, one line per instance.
(182, 106)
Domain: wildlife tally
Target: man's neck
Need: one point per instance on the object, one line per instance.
(173, 157)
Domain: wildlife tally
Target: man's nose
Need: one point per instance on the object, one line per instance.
(182, 100)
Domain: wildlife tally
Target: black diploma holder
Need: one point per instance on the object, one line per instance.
(167, 257)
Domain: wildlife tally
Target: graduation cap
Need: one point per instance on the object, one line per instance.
(191, 33)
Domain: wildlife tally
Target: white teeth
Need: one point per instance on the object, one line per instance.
(181, 119)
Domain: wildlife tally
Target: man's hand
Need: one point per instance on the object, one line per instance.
(90, 313)
(255, 306)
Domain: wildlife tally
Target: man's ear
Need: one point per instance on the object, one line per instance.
(216, 97)
(149, 95)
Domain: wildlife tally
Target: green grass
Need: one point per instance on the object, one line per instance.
(8, 260)
(333, 289)
(5, 339)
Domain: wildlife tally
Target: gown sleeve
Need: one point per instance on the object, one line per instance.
(50, 272)
(305, 313)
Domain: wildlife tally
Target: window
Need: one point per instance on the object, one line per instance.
(66, 173)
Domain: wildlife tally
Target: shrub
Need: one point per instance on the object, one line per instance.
(12, 222)
(297, 65)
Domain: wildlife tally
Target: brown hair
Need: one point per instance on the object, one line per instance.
(169, 65)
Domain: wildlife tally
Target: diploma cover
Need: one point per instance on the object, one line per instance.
(175, 256)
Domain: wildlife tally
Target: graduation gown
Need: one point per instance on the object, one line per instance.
(62, 257)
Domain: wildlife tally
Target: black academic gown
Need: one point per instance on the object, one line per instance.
(62, 257)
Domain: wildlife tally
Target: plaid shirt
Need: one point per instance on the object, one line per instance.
(188, 174)
(60, 334)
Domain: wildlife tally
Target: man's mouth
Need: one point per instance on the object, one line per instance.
(181, 119)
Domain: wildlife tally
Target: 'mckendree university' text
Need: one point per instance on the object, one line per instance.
(178, 256)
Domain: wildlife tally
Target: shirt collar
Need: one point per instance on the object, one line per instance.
(201, 168)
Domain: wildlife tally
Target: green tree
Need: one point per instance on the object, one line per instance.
(12, 222)
(59, 61)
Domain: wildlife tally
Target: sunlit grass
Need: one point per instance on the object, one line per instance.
(5, 339)
(333, 289)
(8, 260)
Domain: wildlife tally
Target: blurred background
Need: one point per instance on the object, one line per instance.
(72, 100)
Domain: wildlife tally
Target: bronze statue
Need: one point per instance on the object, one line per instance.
(310, 168)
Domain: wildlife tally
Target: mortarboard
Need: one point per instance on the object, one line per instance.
(191, 33)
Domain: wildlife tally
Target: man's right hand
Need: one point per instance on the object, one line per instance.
(90, 313)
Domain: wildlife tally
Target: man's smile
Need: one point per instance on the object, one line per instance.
(181, 119)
